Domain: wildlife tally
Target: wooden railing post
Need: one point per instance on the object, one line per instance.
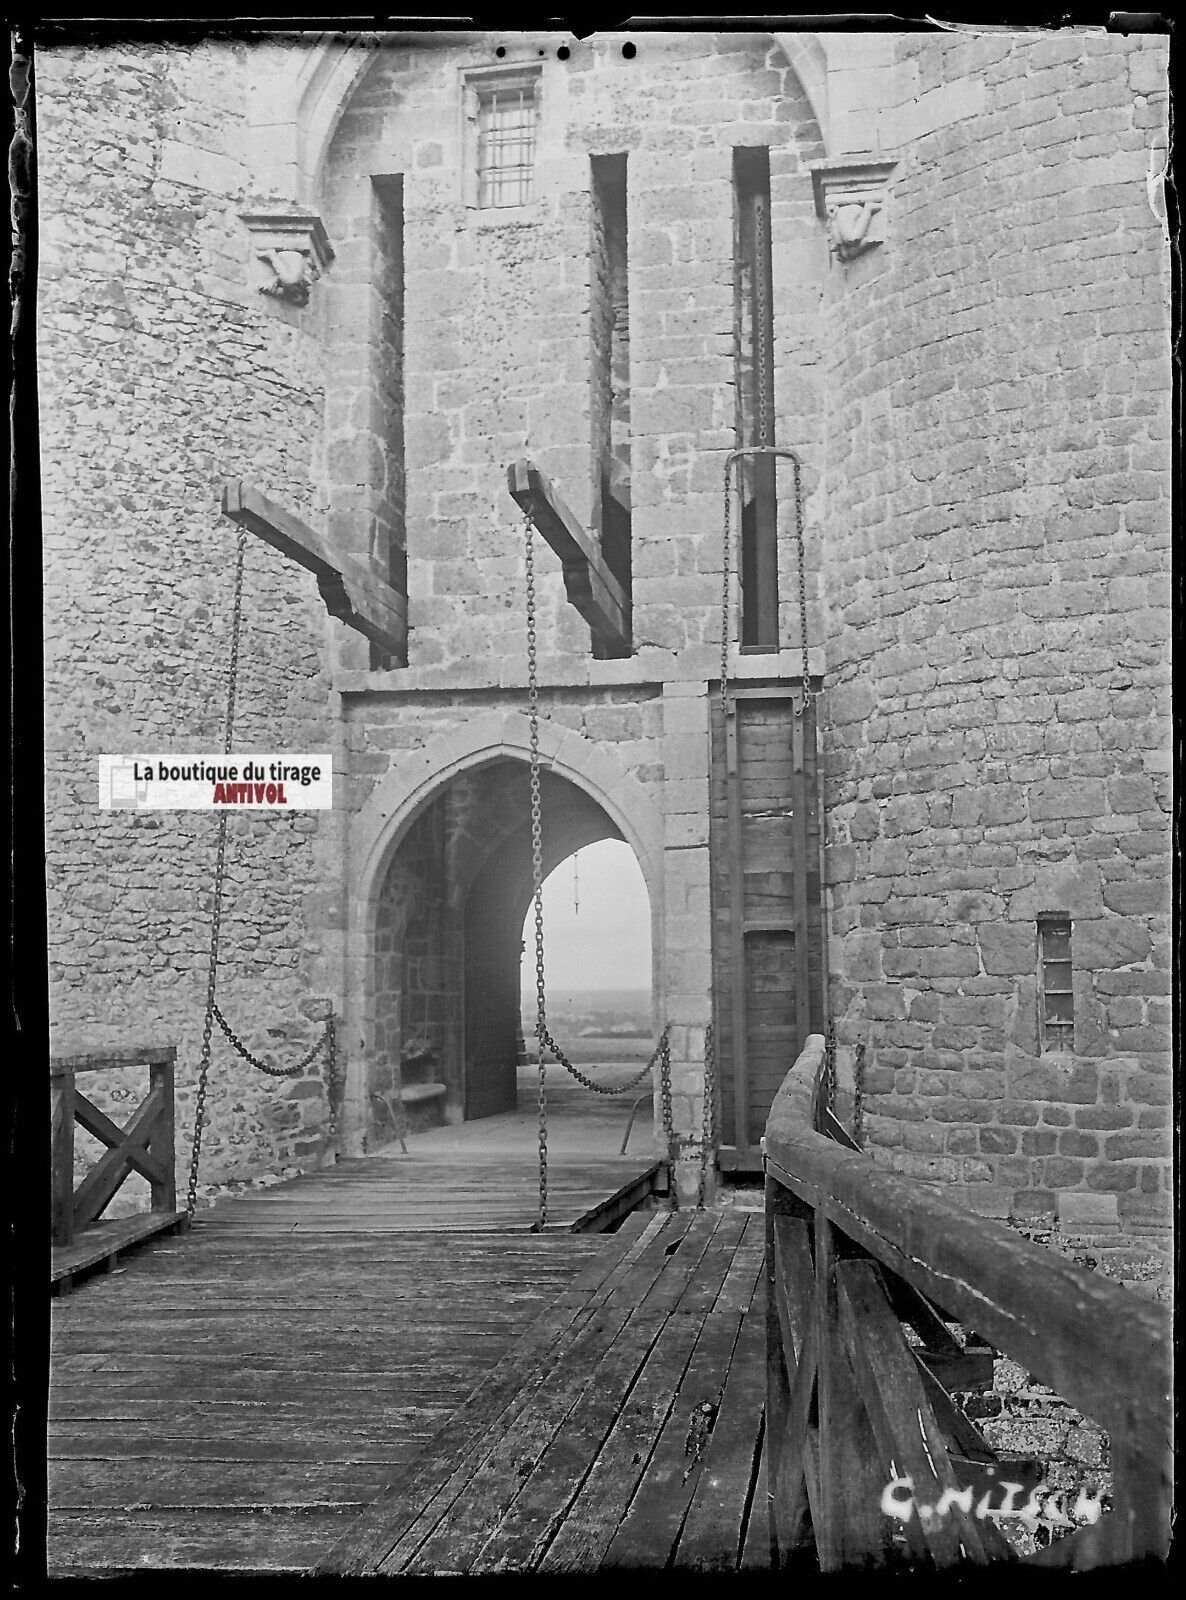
(62, 1154)
(82, 1237)
(161, 1140)
(851, 1529)
(778, 1391)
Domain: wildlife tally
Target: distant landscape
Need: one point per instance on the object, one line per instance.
(594, 1024)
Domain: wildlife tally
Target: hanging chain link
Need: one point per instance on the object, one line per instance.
(657, 1055)
(545, 1043)
(317, 1048)
(726, 558)
(537, 874)
(195, 1155)
(670, 1143)
(763, 447)
(228, 733)
(830, 1067)
(327, 1044)
(761, 318)
(731, 459)
(708, 1120)
(799, 550)
(858, 1096)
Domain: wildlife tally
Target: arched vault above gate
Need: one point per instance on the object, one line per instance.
(299, 111)
(415, 775)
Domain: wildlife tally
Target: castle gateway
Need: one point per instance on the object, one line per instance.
(823, 381)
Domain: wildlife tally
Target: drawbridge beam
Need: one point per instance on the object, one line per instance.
(352, 591)
(588, 582)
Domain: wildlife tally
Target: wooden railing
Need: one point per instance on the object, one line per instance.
(854, 1410)
(144, 1145)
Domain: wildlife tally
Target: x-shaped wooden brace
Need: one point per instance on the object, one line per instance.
(127, 1152)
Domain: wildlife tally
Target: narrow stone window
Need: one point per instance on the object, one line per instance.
(506, 143)
(1056, 1013)
(610, 364)
(389, 536)
(754, 364)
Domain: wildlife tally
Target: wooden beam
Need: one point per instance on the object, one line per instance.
(352, 590)
(1098, 1345)
(590, 585)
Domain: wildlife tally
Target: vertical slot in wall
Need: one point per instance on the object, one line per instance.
(754, 357)
(610, 366)
(389, 542)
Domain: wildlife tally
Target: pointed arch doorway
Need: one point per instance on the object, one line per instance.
(448, 938)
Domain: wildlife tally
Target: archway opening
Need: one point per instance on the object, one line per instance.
(449, 941)
(597, 968)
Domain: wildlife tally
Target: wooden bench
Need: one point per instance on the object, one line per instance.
(853, 1409)
(144, 1145)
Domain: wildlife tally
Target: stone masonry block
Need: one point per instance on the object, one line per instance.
(1088, 1213)
(1109, 942)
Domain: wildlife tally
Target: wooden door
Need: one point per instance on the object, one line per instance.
(768, 967)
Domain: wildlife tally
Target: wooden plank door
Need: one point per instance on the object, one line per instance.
(768, 968)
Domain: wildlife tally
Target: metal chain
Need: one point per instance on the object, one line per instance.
(603, 1088)
(708, 1116)
(830, 1067)
(331, 1074)
(727, 564)
(228, 733)
(213, 1014)
(669, 1138)
(761, 312)
(807, 695)
(858, 1096)
(315, 1049)
(537, 874)
(545, 1043)
(195, 1155)
(726, 556)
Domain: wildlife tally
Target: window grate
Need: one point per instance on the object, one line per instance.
(506, 145)
(1056, 1005)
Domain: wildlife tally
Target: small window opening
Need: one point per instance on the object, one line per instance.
(506, 144)
(1056, 1004)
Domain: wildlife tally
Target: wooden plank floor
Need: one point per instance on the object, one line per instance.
(101, 1242)
(230, 1397)
(489, 1192)
(236, 1397)
(232, 1400)
(630, 1438)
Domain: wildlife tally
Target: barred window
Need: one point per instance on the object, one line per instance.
(506, 144)
(1056, 1014)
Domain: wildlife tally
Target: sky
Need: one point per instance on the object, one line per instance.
(604, 942)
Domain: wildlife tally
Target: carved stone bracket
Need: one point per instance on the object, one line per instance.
(851, 195)
(294, 251)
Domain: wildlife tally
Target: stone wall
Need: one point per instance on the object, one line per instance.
(162, 372)
(998, 626)
(502, 311)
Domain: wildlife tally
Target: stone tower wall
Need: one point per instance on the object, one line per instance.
(998, 532)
